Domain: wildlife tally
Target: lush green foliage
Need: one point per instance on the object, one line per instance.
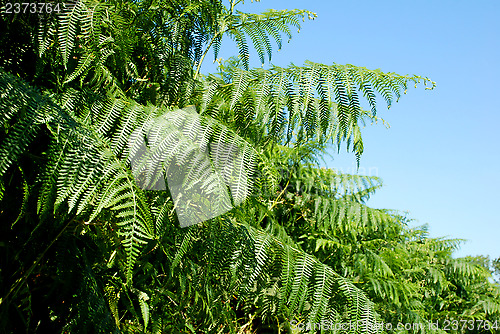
(85, 248)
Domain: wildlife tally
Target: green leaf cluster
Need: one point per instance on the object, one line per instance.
(91, 245)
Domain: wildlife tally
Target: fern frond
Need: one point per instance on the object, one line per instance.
(307, 284)
(319, 101)
(87, 168)
(68, 25)
(260, 28)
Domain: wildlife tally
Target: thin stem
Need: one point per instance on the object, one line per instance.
(204, 54)
(275, 202)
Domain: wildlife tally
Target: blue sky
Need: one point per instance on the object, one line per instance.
(440, 158)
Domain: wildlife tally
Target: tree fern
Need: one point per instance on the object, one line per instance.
(88, 173)
(115, 163)
(302, 284)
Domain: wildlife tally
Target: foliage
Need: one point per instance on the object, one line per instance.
(90, 245)
(411, 278)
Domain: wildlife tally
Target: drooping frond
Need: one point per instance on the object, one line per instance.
(277, 276)
(464, 267)
(336, 201)
(332, 183)
(260, 29)
(312, 101)
(68, 25)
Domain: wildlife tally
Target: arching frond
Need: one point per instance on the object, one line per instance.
(318, 101)
(260, 28)
(277, 275)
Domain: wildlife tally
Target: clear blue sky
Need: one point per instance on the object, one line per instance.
(440, 159)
